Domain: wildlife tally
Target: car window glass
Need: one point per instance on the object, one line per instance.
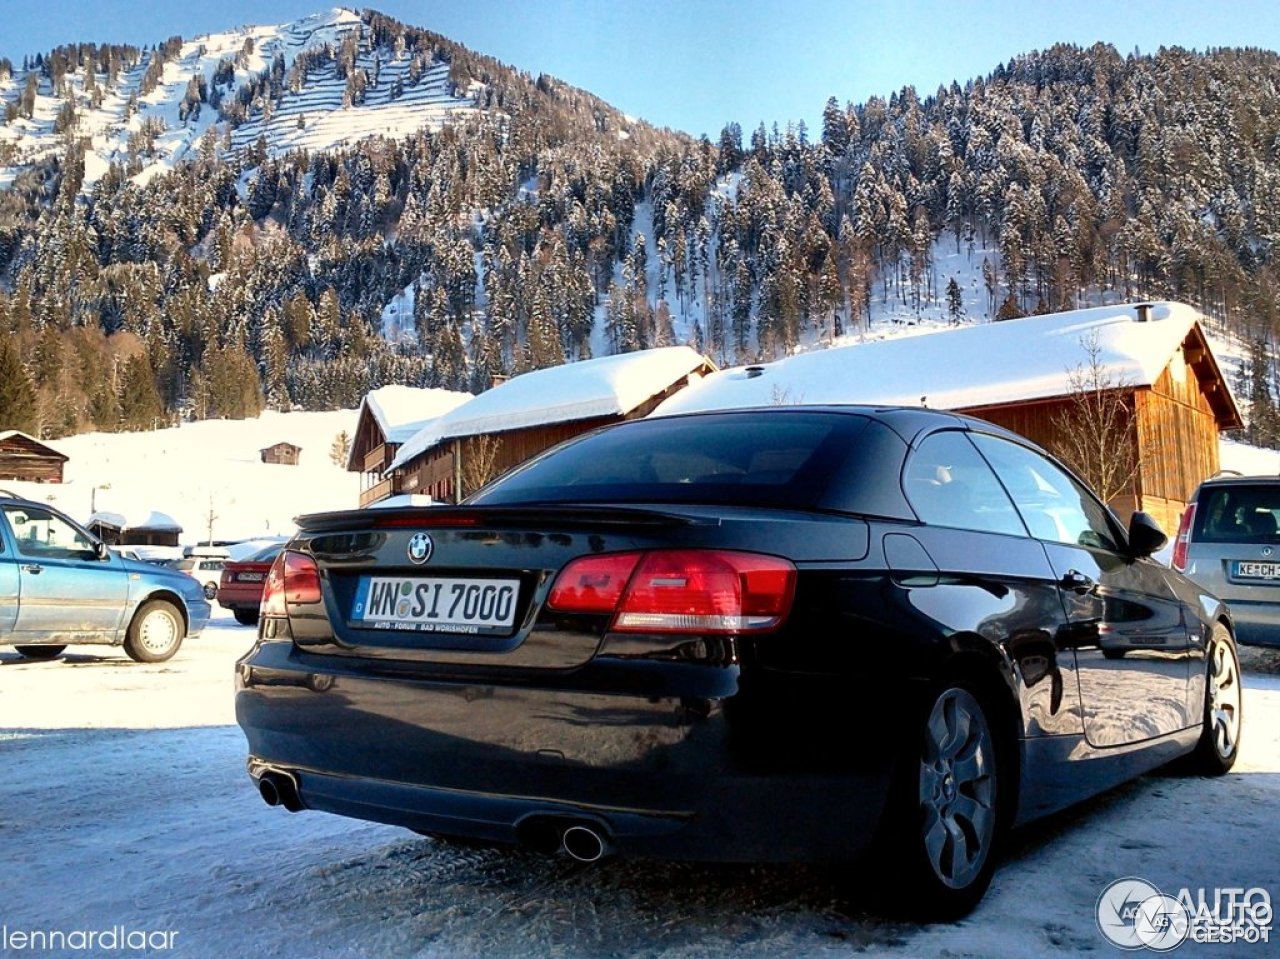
(949, 484)
(730, 459)
(1053, 505)
(1239, 513)
(40, 533)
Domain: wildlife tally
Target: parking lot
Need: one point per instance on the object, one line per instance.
(124, 805)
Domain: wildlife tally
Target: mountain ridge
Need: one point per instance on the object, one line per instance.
(538, 224)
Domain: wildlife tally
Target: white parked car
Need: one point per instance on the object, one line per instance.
(203, 564)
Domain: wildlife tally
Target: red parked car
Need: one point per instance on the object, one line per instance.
(241, 587)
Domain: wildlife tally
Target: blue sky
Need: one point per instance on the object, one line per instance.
(697, 64)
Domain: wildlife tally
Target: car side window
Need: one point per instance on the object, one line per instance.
(41, 534)
(1053, 505)
(949, 484)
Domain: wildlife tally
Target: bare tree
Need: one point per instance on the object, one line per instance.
(210, 517)
(340, 451)
(1094, 434)
(479, 461)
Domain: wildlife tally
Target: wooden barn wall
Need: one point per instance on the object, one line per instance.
(1176, 432)
(432, 474)
(1179, 436)
(23, 460)
(520, 445)
(368, 440)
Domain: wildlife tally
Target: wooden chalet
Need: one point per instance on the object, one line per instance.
(389, 416)
(527, 414)
(1021, 374)
(25, 458)
(282, 454)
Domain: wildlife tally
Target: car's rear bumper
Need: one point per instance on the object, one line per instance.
(675, 777)
(1256, 624)
(230, 598)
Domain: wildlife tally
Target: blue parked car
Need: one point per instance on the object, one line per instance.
(60, 585)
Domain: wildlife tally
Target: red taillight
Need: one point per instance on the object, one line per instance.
(592, 584)
(1183, 539)
(680, 591)
(294, 578)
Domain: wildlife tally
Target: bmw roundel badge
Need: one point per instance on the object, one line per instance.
(420, 547)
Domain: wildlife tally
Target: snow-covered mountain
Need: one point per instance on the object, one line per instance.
(310, 107)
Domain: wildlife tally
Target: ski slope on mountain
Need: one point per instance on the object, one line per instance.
(314, 117)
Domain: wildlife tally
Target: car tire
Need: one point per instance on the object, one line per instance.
(943, 819)
(1219, 743)
(156, 632)
(39, 652)
(246, 617)
(211, 591)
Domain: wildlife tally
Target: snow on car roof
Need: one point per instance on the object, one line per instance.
(604, 386)
(972, 366)
(151, 519)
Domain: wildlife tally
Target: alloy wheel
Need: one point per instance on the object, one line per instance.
(958, 788)
(1224, 699)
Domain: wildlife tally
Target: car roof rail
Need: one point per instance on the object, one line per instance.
(10, 494)
(1226, 473)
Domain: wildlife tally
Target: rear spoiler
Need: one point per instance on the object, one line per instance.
(558, 516)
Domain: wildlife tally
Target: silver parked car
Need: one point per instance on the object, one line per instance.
(1229, 543)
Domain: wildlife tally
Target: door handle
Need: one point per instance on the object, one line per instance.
(1076, 582)
(34, 568)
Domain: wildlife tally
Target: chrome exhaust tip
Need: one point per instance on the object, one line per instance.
(584, 844)
(279, 789)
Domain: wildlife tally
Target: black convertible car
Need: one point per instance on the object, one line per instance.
(773, 634)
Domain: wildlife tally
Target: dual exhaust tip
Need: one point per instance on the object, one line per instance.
(583, 841)
(577, 839)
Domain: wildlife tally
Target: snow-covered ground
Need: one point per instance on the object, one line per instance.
(124, 803)
(211, 466)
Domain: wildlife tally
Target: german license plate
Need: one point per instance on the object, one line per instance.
(248, 577)
(1251, 570)
(429, 604)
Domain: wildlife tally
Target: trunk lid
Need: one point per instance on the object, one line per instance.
(468, 586)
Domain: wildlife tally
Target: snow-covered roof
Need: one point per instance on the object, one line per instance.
(964, 368)
(604, 386)
(152, 519)
(402, 411)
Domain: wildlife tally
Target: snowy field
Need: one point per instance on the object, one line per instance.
(124, 803)
(206, 475)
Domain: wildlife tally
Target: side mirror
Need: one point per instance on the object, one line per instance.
(101, 551)
(1145, 535)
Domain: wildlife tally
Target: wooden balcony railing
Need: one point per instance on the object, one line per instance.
(378, 491)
